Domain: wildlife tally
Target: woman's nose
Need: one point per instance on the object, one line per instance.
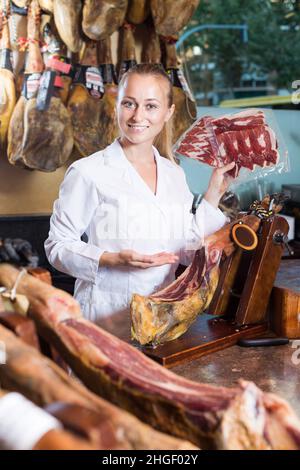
(138, 114)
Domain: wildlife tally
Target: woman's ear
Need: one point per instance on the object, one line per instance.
(170, 112)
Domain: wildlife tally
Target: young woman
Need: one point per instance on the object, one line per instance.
(133, 204)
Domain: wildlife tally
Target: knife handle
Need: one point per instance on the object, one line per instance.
(255, 342)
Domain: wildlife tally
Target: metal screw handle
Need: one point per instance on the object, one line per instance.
(280, 238)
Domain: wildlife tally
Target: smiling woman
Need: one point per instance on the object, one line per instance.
(153, 102)
(132, 201)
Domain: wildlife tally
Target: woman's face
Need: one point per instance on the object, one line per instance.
(142, 108)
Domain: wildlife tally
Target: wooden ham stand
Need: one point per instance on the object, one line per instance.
(239, 306)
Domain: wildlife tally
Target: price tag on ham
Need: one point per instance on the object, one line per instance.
(59, 65)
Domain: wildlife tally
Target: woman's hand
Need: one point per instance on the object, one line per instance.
(218, 184)
(138, 260)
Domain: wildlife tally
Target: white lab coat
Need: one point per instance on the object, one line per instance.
(105, 197)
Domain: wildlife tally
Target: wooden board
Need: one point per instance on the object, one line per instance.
(284, 308)
(208, 334)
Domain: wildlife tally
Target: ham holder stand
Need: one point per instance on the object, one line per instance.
(239, 306)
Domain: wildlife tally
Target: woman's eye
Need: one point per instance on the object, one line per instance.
(127, 104)
(151, 106)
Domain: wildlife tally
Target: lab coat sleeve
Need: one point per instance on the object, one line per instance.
(72, 213)
(198, 226)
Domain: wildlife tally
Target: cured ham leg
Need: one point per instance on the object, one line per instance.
(7, 88)
(17, 29)
(101, 18)
(232, 418)
(151, 52)
(138, 11)
(167, 314)
(47, 5)
(170, 16)
(38, 139)
(128, 57)
(185, 104)
(92, 118)
(67, 15)
(43, 382)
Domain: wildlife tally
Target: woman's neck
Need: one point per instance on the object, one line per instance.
(138, 153)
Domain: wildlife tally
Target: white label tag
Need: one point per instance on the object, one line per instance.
(2, 353)
(93, 78)
(32, 84)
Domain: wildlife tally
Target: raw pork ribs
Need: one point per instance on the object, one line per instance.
(243, 137)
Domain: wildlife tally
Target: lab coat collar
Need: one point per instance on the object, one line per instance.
(115, 156)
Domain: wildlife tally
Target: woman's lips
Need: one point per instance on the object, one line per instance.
(136, 128)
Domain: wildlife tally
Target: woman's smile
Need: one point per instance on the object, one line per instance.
(137, 128)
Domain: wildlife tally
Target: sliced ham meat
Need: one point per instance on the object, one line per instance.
(101, 18)
(167, 314)
(243, 137)
(225, 418)
(170, 16)
(67, 16)
(43, 382)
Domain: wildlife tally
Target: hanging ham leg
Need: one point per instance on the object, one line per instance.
(47, 5)
(17, 30)
(185, 105)
(101, 18)
(128, 58)
(232, 418)
(151, 52)
(55, 49)
(170, 16)
(21, 3)
(85, 103)
(7, 88)
(67, 14)
(93, 119)
(38, 139)
(138, 11)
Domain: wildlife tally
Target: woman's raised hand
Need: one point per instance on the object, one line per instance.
(218, 184)
(137, 260)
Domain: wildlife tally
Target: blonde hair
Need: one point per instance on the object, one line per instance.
(163, 141)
